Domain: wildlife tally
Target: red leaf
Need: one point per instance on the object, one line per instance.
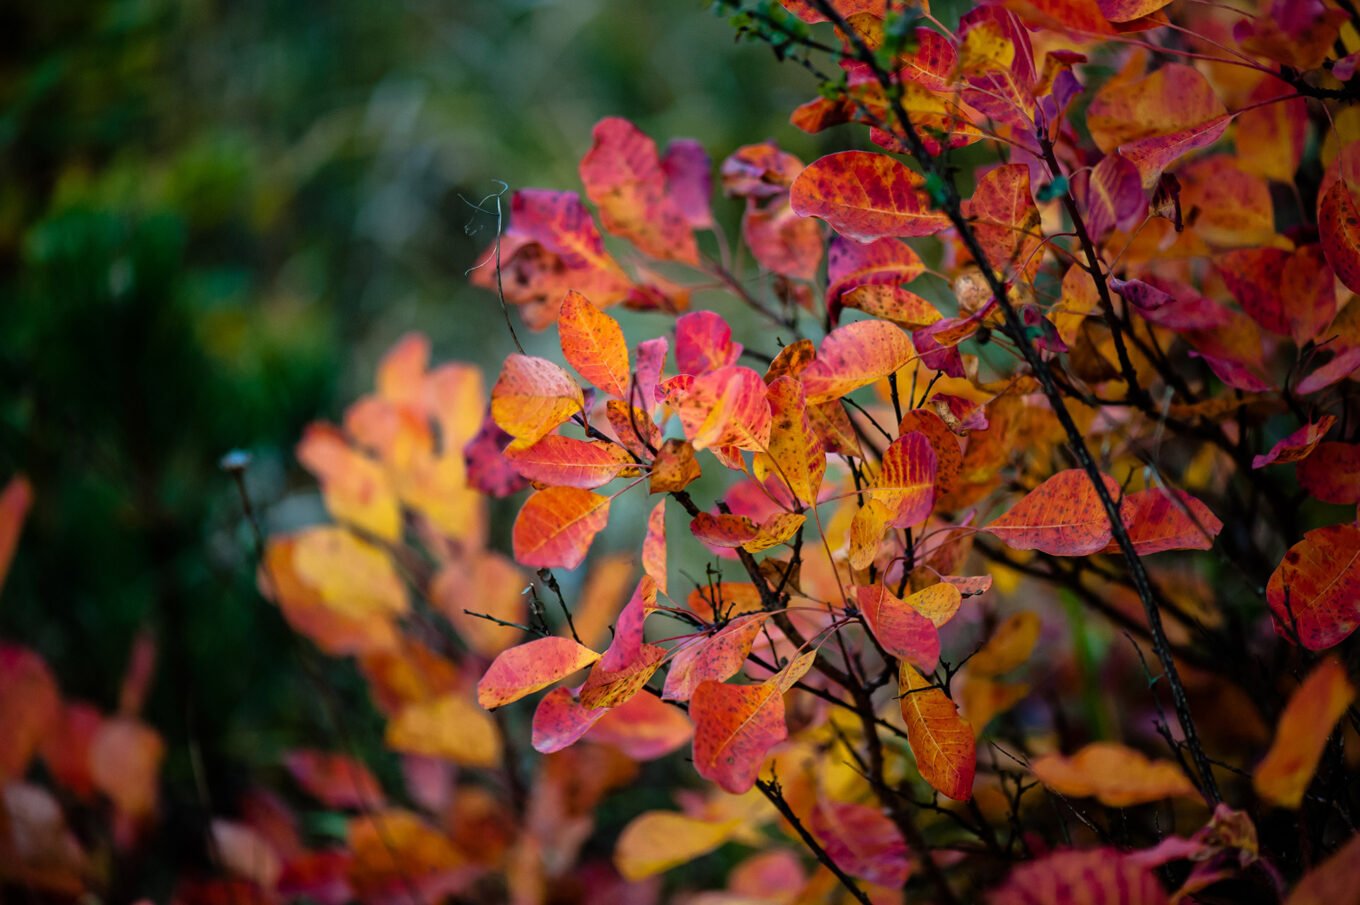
(853, 356)
(1101, 876)
(568, 462)
(524, 669)
(1159, 519)
(862, 841)
(703, 342)
(335, 780)
(1298, 445)
(716, 658)
(560, 721)
(1314, 593)
(623, 176)
(1338, 221)
(1113, 193)
(689, 180)
(735, 726)
(29, 708)
(14, 506)
(1063, 516)
(1332, 473)
(899, 628)
(726, 407)
(781, 241)
(866, 196)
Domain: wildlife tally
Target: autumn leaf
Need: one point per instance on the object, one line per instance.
(940, 739)
(703, 342)
(568, 462)
(356, 489)
(1338, 219)
(335, 780)
(906, 480)
(532, 397)
(125, 763)
(1008, 647)
(623, 176)
(866, 196)
(524, 669)
(15, 502)
(29, 708)
(1314, 594)
(1305, 726)
(735, 726)
(1115, 775)
(1101, 876)
(714, 658)
(1063, 516)
(1298, 445)
(900, 629)
(1333, 881)
(1006, 221)
(862, 840)
(593, 344)
(656, 841)
(1160, 519)
(853, 356)
(643, 728)
(725, 407)
(674, 468)
(1113, 194)
(448, 727)
(556, 526)
(798, 454)
(1332, 473)
(654, 547)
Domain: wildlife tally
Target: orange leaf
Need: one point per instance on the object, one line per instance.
(14, 506)
(1006, 221)
(555, 527)
(1008, 647)
(941, 740)
(125, 763)
(397, 854)
(1283, 776)
(568, 462)
(532, 397)
(499, 590)
(29, 708)
(337, 630)
(866, 532)
(866, 196)
(781, 241)
(1063, 516)
(525, 669)
(900, 629)
(853, 356)
(796, 451)
(1101, 876)
(1338, 219)
(1314, 594)
(356, 488)
(725, 407)
(643, 728)
(447, 727)
(1155, 120)
(862, 841)
(906, 482)
(593, 344)
(716, 658)
(335, 780)
(674, 467)
(352, 576)
(1160, 519)
(1113, 774)
(656, 841)
(735, 726)
(1298, 445)
(622, 175)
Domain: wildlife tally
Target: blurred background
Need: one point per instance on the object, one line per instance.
(214, 218)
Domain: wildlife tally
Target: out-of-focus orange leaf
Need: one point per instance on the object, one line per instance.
(125, 763)
(1314, 594)
(866, 196)
(862, 840)
(725, 407)
(569, 462)
(656, 841)
(66, 746)
(525, 669)
(781, 241)
(355, 488)
(245, 853)
(29, 708)
(351, 575)
(941, 740)
(899, 628)
(1156, 119)
(623, 176)
(335, 780)
(450, 727)
(396, 854)
(982, 699)
(1008, 647)
(1333, 881)
(556, 526)
(1160, 519)
(15, 502)
(1283, 776)
(337, 629)
(1114, 774)
(1271, 136)
(1101, 876)
(485, 583)
(703, 342)
(1063, 516)
(532, 397)
(593, 344)
(853, 356)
